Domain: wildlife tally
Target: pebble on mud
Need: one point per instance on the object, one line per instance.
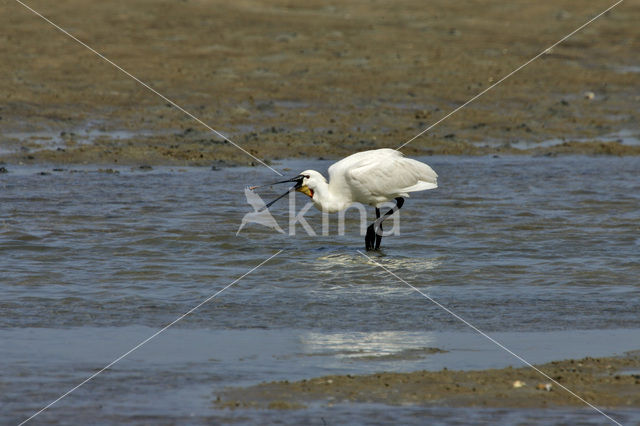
(4, 170)
(545, 386)
(518, 384)
(589, 95)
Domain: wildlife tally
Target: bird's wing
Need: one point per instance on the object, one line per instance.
(390, 174)
(342, 167)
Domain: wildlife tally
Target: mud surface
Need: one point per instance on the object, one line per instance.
(288, 79)
(607, 382)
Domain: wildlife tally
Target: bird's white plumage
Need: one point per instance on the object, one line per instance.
(385, 174)
(369, 177)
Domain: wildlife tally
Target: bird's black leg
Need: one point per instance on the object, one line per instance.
(370, 238)
(374, 231)
(379, 230)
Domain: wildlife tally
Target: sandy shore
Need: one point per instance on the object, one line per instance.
(604, 382)
(287, 79)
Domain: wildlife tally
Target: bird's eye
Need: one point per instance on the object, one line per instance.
(306, 176)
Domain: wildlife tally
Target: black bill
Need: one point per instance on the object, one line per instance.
(297, 180)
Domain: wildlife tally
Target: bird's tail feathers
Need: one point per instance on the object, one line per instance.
(420, 186)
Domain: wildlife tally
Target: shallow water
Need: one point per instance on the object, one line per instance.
(540, 252)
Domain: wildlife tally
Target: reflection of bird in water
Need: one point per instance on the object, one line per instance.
(368, 177)
(261, 214)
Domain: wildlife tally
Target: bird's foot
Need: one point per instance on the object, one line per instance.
(373, 237)
(370, 238)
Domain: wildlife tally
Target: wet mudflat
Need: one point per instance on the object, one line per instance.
(612, 382)
(315, 79)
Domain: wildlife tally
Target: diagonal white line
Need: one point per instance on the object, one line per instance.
(490, 338)
(59, 28)
(509, 75)
(148, 339)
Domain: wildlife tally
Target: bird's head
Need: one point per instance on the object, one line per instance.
(309, 182)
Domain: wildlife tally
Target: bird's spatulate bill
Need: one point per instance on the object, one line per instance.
(297, 180)
(269, 204)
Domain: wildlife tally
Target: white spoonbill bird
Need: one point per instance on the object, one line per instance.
(368, 177)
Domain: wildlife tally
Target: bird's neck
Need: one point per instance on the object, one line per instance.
(328, 201)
